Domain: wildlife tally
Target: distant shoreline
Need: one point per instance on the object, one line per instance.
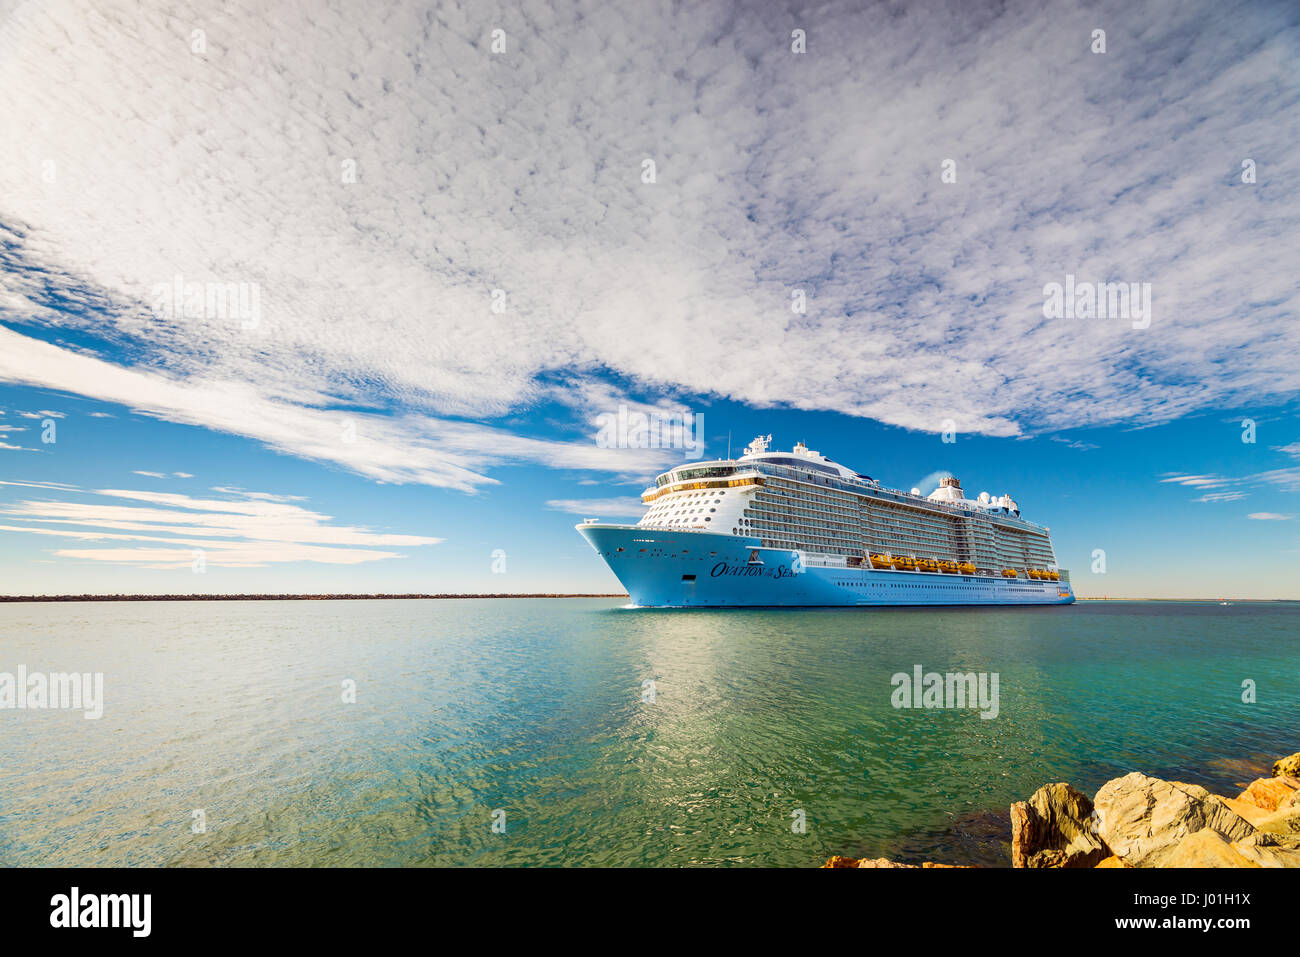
(35, 598)
(1210, 601)
(73, 598)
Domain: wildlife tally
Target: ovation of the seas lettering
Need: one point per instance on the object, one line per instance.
(751, 571)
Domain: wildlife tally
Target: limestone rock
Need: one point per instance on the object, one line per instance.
(1206, 848)
(881, 862)
(1113, 861)
(1270, 850)
(838, 861)
(1288, 766)
(1269, 793)
(1054, 829)
(1251, 812)
(1284, 821)
(1143, 819)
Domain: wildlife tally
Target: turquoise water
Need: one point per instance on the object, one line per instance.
(535, 707)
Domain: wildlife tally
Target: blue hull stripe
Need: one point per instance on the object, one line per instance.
(666, 568)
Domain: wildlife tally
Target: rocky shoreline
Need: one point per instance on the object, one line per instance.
(1141, 821)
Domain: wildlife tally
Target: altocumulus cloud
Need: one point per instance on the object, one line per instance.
(521, 172)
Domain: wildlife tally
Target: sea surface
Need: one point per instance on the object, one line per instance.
(540, 709)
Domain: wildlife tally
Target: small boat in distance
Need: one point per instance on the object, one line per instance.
(794, 528)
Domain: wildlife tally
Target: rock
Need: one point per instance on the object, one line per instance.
(1284, 821)
(881, 862)
(1113, 861)
(1270, 850)
(1143, 819)
(1205, 848)
(1251, 812)
(1287, 767)
(1270, 793)
(1054, 829)
(838, 861)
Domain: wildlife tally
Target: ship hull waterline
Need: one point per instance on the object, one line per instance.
(664, 568)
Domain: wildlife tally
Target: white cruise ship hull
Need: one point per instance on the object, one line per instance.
(672, 568)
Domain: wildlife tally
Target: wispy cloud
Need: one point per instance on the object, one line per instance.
(623, 507)
(1216, 497)
(249, 529)
(1078, 444)
(1270, 517)
(399, 449)
(1197, 481)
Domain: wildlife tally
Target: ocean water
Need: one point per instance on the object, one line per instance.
(536, 708)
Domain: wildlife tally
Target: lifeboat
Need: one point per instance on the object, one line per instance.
(1009, 573)
(966, 568)
(1033, 573)
(1054, 576)
(906, 564)
(948, 568)
(881, 561)
(927, 565)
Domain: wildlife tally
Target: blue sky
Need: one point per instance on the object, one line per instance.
(443, 263)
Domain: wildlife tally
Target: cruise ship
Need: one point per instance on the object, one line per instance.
(794, 528)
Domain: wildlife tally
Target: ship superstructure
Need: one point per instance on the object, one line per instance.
(795, 528)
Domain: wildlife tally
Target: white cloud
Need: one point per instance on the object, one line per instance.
(1078, 444)
(521, 172)
(182, 475)
(1198, 481)
(250, 529)
(149, 474)
(1269, 517)
(407, 448)
(599, 507)
(1216, 497)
